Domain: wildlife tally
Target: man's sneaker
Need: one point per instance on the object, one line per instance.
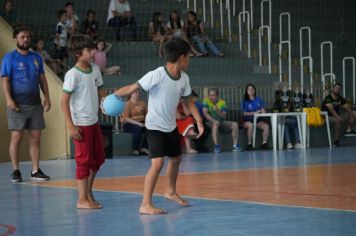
(249, 147)
(236, 148)
(350, 133)
(217, 148)
(135, 153)
(16, 176)
(336, 143)
(264, 146)
(289, 146)
(297, 146)
(39, 175)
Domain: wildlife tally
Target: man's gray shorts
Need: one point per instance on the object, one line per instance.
(29, 117)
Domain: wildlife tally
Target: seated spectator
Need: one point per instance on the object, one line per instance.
(175, 27)
(195, 32)
(291, 124)
(340, 114)
(158, 31)
(134, 122)
(7, 12)
(185, 125)
(72, 20)
(200, 142)
(250, 106)
(102, 48)
(215, 112)
(119, 14)
(60, 40)
(52, 63)
(90, 26)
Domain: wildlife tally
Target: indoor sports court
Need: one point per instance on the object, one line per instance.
(249, 193)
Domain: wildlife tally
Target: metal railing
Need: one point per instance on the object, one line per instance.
(303, 58)
(248, 31)
(352, 59)
(329, 74)
(283, 42)
(260, 35)
(269, 15)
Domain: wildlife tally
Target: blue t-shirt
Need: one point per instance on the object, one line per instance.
(200, 108)
(252, 106)
(24, 72)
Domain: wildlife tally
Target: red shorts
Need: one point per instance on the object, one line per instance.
(89, 152)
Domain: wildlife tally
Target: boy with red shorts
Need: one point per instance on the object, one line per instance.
(80, 105)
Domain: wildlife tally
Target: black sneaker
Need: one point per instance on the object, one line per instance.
(264, 146)
(350, 133)
(336, 143)
(16, 176)
(39, 175)
(249, 147)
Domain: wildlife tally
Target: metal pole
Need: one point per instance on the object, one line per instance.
(229, 18)
(204, 11)
(221, 19)
(352, 59)
(211, 14)
(307, 57)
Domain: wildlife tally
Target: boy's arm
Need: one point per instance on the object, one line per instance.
(195, 113)
(75, 132)
(127, 90)
(45, 91)
(108, 46)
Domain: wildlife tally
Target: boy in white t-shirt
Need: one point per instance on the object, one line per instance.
(165, 85)
(80, 105)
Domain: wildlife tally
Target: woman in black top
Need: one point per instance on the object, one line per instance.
(195, 32)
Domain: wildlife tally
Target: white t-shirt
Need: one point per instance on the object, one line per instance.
(83, 87)
(62, 30)
(70, 21)
(175, 27)
(117, 6)
(164, 94)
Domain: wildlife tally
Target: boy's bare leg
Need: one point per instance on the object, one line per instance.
(83, 201)
(172, 175)
(147, 206)
(90, 190)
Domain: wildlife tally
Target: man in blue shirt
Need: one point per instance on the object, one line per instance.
(22, 77)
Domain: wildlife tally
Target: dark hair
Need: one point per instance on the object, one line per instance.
(157, 25)
(193, 13)
(171, 20)
(77, 43)
(6, 2)
(175, 48)
(19, 30)
(194, 94)
(69, 4)
(337, 84)
(61, 13)
(90, 12)
(215, 90)
(36, 42)
(246, 96)
(100, 40)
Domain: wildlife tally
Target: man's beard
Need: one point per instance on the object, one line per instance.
(25, 46)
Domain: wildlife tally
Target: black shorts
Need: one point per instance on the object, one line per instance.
(161, 144)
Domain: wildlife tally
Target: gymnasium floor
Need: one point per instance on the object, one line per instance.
(310, 192)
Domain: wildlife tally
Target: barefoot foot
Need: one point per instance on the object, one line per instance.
(175, 197)
(86, 205)
(151, 210)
